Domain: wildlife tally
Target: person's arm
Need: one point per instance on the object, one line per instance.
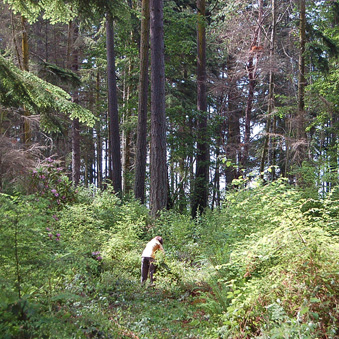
(161, 248)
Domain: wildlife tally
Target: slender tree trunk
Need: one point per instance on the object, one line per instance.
(113, 108)
(301, 135)
(159, 180)
(15, 43)
(98, 132)
(270, 107)
(233, 126)
(141, 147)
(127, 132)
(90, 175)
(75, 98)
(25, 50)
(25, 67)
(251, 69)
(75, 149)
(182, 178)
(216, 182)
(200, 197)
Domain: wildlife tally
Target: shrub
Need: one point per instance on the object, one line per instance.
(50, 182)
(279, 266)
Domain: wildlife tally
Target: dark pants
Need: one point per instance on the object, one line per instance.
(147, 266)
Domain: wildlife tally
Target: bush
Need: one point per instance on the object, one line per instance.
(277, 268)
(50, 182)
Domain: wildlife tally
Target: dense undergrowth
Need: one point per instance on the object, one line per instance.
(264, 266)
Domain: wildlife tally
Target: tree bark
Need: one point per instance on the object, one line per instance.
(251, 69)
(233, 127)
(98, 133)
(271, 104)
(301, 135)
(114, 138)
(75, 98)
(25, 67)
(200, 196)
(127, 157)
(141, 147)
(159, 185)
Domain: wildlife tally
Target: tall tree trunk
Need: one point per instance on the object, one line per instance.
(216, 181)
(128, 131)
(113, 108)
(141, 147)
(75, 98)
(251, 69)
(98, 132)
(25, 67)
(127, 137)
(301, 135)
(200, 196)
(233, 126)
(271, 104)
(159, 183)
(90, 152)
(182, 178)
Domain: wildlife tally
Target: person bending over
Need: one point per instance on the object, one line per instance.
(148, 258)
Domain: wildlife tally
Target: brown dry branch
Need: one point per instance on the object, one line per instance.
(16, 161)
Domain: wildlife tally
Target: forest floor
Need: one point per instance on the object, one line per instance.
(154, 312)
(166, 309)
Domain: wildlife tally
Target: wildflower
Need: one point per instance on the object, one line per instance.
(58, 235)
(55, 217)
(99, 258)
(50, 235)
(56, 194)
(48, 229)
(54, 191)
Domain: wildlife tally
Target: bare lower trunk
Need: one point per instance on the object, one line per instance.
(141, 147)
(200, 196)
(159, 184)
(113, 108)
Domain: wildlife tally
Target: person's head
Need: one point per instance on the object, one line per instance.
(160, 240)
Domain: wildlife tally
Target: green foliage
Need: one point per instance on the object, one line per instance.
(278, 275)
(54, 11)
(53, 73)
(18, 89)
(49, 182)
(180, 234)
(263, 266)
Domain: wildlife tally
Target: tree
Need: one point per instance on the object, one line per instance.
(74, 66)
(141, 146)
(113, 108)
(158, 166)
(200, 195)
(25, 67)
(270, 106)
(301, 119)
(252, 65)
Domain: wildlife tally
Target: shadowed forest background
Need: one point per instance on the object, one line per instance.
(212, 124)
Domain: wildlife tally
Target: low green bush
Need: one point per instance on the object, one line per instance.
(263, 266)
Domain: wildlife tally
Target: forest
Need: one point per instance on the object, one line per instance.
(213, 124)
